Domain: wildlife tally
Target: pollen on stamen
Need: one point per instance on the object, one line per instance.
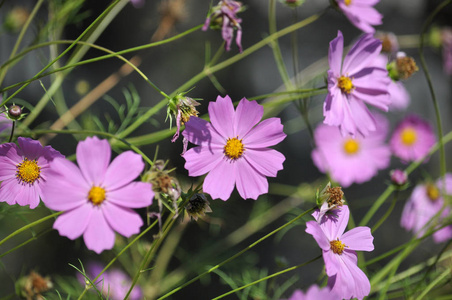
(337, 246)
(234, 148)
(96, 195)
(345, 84)
(28, 171)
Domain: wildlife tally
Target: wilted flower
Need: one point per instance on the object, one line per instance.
(113, 284)
(403, 67)
(425, 202)
(389, 43)
(182, 108)
(338, 249)
(232, 149)
(398, 177)
(314, 293)
(351, 159)
(33, 285)
(23, 171)
(197, 206)
(412, 138)
(361, 13)
(361, 78)
(329, 198)
(224, 16)
(98, 196)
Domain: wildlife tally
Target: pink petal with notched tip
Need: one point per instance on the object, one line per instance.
(335, 54)
(133, 195)
(247, 115)
(313, 228)
(267, 133)
(250, 183)
(221, 115)
(219, 183)
(358, 239)
(73, 223)
(266, 161)
(123, 220)
(200, 160)
(93, 164)
(98, 236)
(123, 169)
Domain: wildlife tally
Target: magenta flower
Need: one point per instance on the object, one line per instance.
(362, 78)
(361, 13)
(23, 171)
(338, 249)
(97, 196)
(224, 14)
(314, 293)
(412, 138)
(233, 149)
(114, 284)
(424, 203)
(351, 160)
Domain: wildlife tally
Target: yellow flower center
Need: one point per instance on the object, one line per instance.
(234, 148)
(345, 84)
(28, 171)
(337, 246)
(347, 2)
(408, 136)
(96, 195)
(351, 146)
(432, 192)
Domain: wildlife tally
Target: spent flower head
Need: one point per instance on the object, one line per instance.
(197, 206)
(224, 16)
(403, 67)
(233, 149)
(182, 108)
(33, 285)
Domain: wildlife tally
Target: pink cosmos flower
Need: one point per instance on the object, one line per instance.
(23, 171)
(351, 159)
(232, 149)
(313, 293)
(361, 13)
(97, 196)
(114, 283)
(338, 248)
(424, 203)
(224, 14)
(400, 98)
(412, 138)
(362, 78)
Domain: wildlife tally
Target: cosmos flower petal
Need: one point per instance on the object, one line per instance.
(247, 115)
(27, 195)
(358, 239)
(133, 195)
(200, 160)
(267, 133)
(72, 224)
(361, 282)
(200, 132)
(313, 228)
(123, 220)
(266, 161)
(220, 182)
(221, 115)
(98, 236)
(333, 108)
(32, 147)
(8, 170)
(362, 14)
(9, 190)
(250, 183)
(123, 169)
(93, 164)
(335, 53)
(366, 49)
(334, 230)
(333, 262)
(400, 98)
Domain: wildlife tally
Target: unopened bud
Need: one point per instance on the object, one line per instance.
(197, 206)
(14, 112)
(398, 177)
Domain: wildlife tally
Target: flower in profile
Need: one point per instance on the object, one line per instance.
(361, 13)
(224, 16)
(233, 149)
(360, 79)
(24, 168)
(113, 284)
(182, 108)
(412, 138)
(351, 159)
(98, 196)
(346, 280)
(425, 202)
(313, 293)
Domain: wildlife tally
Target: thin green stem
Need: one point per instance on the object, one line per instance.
(28, 226)
(387, 214)
(237, 254)
(99, 18)
(21, 35)
(26, 242)
(432, 284)
(268, 277)
(427, 23)
(12, 132)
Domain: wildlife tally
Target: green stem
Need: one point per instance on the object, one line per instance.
(237, 254)
(268, 277)
(12, 132)
(22, 229)
(21, 36)
(430, 85)
(26, 242)
(388, 212)
(443, 275)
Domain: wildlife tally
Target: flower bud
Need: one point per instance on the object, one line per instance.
(14, 112)
(182, 108)
(398, 177)
(16, 18)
